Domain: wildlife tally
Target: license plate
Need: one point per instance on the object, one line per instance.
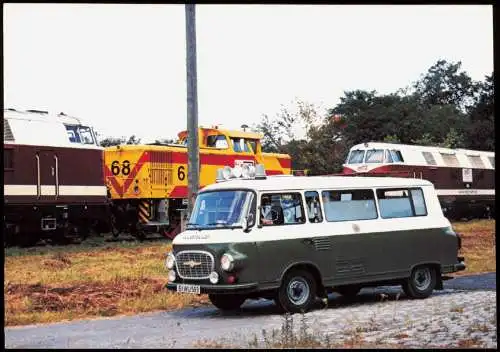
(184, 288)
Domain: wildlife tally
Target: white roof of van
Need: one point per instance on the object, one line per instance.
(288, 182)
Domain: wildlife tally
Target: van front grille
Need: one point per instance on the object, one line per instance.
(194, 264)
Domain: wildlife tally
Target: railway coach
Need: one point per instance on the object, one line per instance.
(464, 179)
(148, 184)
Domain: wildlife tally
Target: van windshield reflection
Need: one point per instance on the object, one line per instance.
(220, 209)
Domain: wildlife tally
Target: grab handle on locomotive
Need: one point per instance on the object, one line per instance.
(38, 187)
(57, 175)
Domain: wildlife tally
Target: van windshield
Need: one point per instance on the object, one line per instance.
(220, 209)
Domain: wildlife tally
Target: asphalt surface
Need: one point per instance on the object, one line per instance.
(184, 327)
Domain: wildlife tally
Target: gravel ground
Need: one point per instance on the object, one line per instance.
(462, 314)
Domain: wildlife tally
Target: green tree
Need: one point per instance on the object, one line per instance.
(111, 141)
(425, 139)
(480, 133)
(453, 139)
(133, 140)
(445, 84)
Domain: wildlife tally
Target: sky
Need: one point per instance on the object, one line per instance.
(121, 67)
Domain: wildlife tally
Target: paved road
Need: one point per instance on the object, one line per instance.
(474, 296)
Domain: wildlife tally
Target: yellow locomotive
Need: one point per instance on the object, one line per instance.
(148, 184)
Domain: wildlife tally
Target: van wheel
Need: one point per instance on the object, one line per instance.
(227, 301)
(421, 282)
(297, 292)
(348, 291)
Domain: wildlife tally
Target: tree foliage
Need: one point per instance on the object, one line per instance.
(111, 141)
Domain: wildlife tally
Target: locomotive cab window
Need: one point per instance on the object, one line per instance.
(73, 135)
(253, 145)
(356, 157)
(374, 156)
(240, 145)
(396, 156)
(217, 141)
(86, 135)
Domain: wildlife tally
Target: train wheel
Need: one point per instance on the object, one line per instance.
(139, 231)
(114, 227)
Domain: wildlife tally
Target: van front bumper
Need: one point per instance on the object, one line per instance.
(236, 288)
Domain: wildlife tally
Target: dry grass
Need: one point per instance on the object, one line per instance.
(107, 281)
(478, 246)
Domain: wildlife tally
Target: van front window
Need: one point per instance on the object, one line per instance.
(220, 209)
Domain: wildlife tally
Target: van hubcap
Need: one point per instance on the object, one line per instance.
(422, 278)
(298, 291)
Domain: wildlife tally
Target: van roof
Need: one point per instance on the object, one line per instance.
(289, 182)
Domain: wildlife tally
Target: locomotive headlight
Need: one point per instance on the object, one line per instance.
(226, 172)
(227, 262)
(170, 261)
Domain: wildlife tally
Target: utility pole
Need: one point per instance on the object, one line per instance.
(192, 107)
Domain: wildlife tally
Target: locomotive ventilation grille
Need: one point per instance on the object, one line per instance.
(194, 264)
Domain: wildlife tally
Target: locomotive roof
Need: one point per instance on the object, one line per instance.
(289, 182)
(381, 145)
(230, 133)
(41, 128)
(38, 115)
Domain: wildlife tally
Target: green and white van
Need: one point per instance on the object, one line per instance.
(294, 239)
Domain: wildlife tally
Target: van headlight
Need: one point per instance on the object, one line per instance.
(227, 262)
(170, 261)
(171, 276)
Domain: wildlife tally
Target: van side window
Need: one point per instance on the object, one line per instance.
(313, 206)
(349, 205)
(401, 203)
(281, 209)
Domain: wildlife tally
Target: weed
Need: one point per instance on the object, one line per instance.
(457, 309)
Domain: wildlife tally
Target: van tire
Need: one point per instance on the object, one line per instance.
(227, 302)
(297, 292)
(421, 282)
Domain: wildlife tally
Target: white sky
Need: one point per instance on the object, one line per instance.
(122, 67)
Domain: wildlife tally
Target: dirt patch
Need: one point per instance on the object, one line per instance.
(92, 297)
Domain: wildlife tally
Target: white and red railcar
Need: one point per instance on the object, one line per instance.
(464, 179)
(53, 179)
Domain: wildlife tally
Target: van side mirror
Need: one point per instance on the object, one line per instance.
(248, 222)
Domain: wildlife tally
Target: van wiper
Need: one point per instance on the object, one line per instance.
(192, 224)
(217, 223)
